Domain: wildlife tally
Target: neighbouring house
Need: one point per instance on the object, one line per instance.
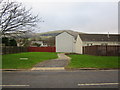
(38, 44)
(67, 42)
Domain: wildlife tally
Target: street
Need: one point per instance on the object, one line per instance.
(61, 79)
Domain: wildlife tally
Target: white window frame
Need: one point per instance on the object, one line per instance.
(89, 44)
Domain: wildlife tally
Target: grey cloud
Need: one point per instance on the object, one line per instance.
(87, 17)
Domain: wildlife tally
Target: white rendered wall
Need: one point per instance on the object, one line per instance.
(65, 43)
(78, 45)
(99, 43)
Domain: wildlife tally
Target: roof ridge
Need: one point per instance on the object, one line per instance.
(99, 37)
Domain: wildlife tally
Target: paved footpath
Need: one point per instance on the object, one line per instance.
(55, 64)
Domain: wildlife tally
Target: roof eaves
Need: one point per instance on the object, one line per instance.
(66, 32)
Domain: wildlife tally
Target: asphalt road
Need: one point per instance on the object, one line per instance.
(61, 79)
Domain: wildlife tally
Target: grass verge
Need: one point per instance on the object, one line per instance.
(88, 61)
(25, 60)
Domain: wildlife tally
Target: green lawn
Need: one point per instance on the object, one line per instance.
(87, 61)
(13, 61)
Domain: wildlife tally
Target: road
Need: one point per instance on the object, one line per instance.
(61, 79)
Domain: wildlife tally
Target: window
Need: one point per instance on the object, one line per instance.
(89, 44)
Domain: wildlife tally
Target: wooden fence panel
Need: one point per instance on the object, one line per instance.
(101, 50)
(13, 49)
(41, 49)
(90, 50)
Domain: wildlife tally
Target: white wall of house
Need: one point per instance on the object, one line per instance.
(65, 43)
(78, 45)
(85, 43)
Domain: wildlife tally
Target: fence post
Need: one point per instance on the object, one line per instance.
(83, 49)
(5, 50)
(106, 51)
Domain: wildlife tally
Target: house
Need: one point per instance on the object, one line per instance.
(67, 42)
(38, 43)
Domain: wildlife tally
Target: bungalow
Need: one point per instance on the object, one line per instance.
(38, 43)
(67, 42)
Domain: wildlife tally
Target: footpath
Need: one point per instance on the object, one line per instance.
(55, 64)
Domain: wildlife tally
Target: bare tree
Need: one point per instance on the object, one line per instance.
(1, 1)
(15, 18)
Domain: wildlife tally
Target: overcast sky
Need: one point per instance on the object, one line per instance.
(90, 17)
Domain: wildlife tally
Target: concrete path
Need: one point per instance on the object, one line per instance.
(55, 64)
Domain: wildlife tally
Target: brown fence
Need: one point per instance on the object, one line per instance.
(41, 49)
(15, 49)
(100, 50)
(10, 49)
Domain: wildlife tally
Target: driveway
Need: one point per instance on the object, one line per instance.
(54, 64)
